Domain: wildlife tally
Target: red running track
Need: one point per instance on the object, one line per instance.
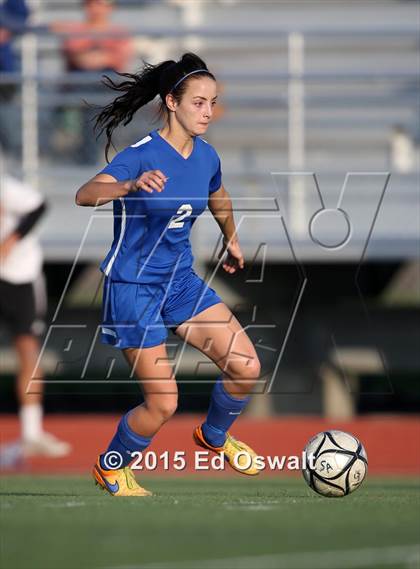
(392, 442)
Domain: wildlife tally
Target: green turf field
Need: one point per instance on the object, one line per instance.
(65, 523)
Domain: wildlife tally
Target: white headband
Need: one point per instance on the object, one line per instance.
(187, 75)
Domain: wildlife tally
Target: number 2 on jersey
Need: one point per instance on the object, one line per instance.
(184, 211)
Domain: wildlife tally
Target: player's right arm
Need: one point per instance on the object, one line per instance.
(104, 188)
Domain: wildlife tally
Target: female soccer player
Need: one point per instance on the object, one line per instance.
(159, 186)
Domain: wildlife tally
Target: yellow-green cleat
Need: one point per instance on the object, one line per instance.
(245, 456)
(121, 482)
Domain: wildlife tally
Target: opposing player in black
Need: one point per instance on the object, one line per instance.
(23, 306)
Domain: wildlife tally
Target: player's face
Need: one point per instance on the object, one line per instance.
(195, 110)
(98, 8)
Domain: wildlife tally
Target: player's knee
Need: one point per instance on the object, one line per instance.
(252, 369)
(166, 408)
(244, 375)
(247, 369)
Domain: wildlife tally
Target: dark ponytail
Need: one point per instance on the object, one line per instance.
(141, 88)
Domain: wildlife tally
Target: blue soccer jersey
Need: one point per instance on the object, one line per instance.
(152, 230)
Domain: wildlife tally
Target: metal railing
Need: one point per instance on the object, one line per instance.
(294, 100)
(296, 77)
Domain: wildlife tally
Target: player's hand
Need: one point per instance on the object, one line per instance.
(234, 258)
(7, 245)
(148, 181)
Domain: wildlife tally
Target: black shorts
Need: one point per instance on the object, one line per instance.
(23, 307)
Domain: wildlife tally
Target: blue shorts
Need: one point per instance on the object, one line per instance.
(139, 315)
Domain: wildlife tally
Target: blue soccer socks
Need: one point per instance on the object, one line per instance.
(223, 410)
(124, 443)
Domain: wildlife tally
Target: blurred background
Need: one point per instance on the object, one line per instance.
(318, 110)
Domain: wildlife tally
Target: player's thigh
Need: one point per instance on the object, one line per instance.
(218, 334)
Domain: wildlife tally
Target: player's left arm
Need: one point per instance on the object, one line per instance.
(25, 225)
(220, 205)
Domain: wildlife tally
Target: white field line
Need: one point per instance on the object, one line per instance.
(408, 556)
(250, 507)
(69, 504)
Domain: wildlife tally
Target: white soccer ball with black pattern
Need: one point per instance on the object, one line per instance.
(335, 463)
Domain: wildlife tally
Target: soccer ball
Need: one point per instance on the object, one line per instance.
(335, 463)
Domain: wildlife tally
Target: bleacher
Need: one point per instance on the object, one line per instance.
(325, 97)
